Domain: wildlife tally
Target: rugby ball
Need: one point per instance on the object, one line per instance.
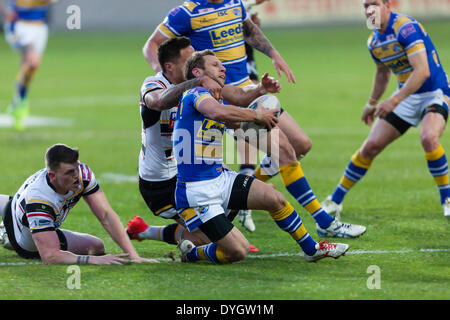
(253, 129)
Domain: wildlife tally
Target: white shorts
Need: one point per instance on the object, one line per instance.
(207, 199)
(21, 34)
(411, 109)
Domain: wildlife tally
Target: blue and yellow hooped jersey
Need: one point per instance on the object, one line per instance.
(31, 10)
(218, 27)
(404, 37)
(197, 139)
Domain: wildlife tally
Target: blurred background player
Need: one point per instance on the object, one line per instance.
(26, 31)
(160, 95)
(401, 45)
(224, 27)
(32, 217)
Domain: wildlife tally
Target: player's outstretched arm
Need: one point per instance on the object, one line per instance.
(229, 113)
(243, 96)
(256, 39)
(150, 49)
(168, 98)
(110, 221)
(47, 243)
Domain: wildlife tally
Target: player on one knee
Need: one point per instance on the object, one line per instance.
(206, 191)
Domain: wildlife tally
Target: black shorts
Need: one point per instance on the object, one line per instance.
(402, 126)
(160, 196)
(8, 222)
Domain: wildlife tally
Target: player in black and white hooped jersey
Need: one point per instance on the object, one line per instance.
(33, 216)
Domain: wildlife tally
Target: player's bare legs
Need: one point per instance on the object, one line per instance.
(296, 136)
(30, 62)
(296, 183)
(83, 244)
(381, 135)
(433, 126)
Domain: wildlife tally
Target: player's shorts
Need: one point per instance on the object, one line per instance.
(22, 34)
(160, 197)
(200, 201)
(412, 109)
(21, 240)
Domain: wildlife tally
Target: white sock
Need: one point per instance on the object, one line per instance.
(153, 233)
(3, 201)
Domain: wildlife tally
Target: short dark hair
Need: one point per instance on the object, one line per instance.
(196, 61)
(60, 153)
(169, 50)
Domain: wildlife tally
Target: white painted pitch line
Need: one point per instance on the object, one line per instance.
(118, 177)
(274, 255)
(7, 121)
(85, 101)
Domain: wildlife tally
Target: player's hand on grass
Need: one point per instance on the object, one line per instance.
(281, 66)
(144, 260)
(270, 84)
(110, 259)
(212, 85)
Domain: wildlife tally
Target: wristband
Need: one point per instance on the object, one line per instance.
(369, 106)
(373, 100)
(258, 114)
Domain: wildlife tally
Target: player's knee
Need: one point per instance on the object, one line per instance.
(96, 247)
(33, 62)
(303, 147)
(371, 149)
(287, 153)
(275, 200)
(238, 253)
(429, 141)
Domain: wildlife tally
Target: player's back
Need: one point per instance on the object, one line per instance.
(197, 140)
(218, 27)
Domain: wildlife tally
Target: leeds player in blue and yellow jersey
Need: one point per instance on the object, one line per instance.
(402, 46)
(206, 191)
(26, 31)
(218, 25)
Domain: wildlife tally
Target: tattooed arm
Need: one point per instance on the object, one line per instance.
(256, 39)
(168, 98)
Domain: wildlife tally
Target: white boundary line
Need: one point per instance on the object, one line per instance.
(274, 255)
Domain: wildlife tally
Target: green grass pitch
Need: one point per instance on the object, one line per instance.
(93, 80)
